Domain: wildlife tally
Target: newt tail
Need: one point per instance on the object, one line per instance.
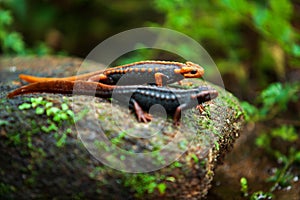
(33, 79)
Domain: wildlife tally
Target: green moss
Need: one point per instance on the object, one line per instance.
(162, 188)
(56, 117)
(195, 158)
(234, 104)
(209, 124)
(116, 140)
(96, 171)
(24, 106)
(6, 189)
(176, 164)
(144, 183)
(78, 196)
(217, 146)
(40, 116)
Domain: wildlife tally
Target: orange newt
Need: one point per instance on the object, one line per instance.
(144, 72)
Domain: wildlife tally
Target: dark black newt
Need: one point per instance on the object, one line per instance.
(139, 97)
(144, 72)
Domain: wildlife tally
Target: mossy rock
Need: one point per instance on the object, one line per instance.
(43, 157)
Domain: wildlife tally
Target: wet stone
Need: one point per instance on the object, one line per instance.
(90, 159)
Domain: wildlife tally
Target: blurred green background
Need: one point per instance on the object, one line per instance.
(248, 40)
(255, 44)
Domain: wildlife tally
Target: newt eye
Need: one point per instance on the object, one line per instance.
(194, 71)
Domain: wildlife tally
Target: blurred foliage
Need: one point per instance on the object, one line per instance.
(282, 176)
(12, 41)
(272, 101)
(74, 26)
(247, 39)
(280, 142)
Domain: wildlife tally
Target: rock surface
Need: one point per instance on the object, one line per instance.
(45, 154)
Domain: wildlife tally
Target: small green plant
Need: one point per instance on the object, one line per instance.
(144, 183)
(56, 116)
(255, 195)
(276, 97)
(282, 176)
(244, 186)
(273, 101)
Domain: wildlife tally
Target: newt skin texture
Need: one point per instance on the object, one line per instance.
(144, 72)
(139, 97)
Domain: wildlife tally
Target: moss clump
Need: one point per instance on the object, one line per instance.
(57, 115)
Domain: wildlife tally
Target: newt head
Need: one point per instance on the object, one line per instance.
(205, 94)
(190, 70)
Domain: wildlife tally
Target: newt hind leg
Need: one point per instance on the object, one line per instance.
(141, 115)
